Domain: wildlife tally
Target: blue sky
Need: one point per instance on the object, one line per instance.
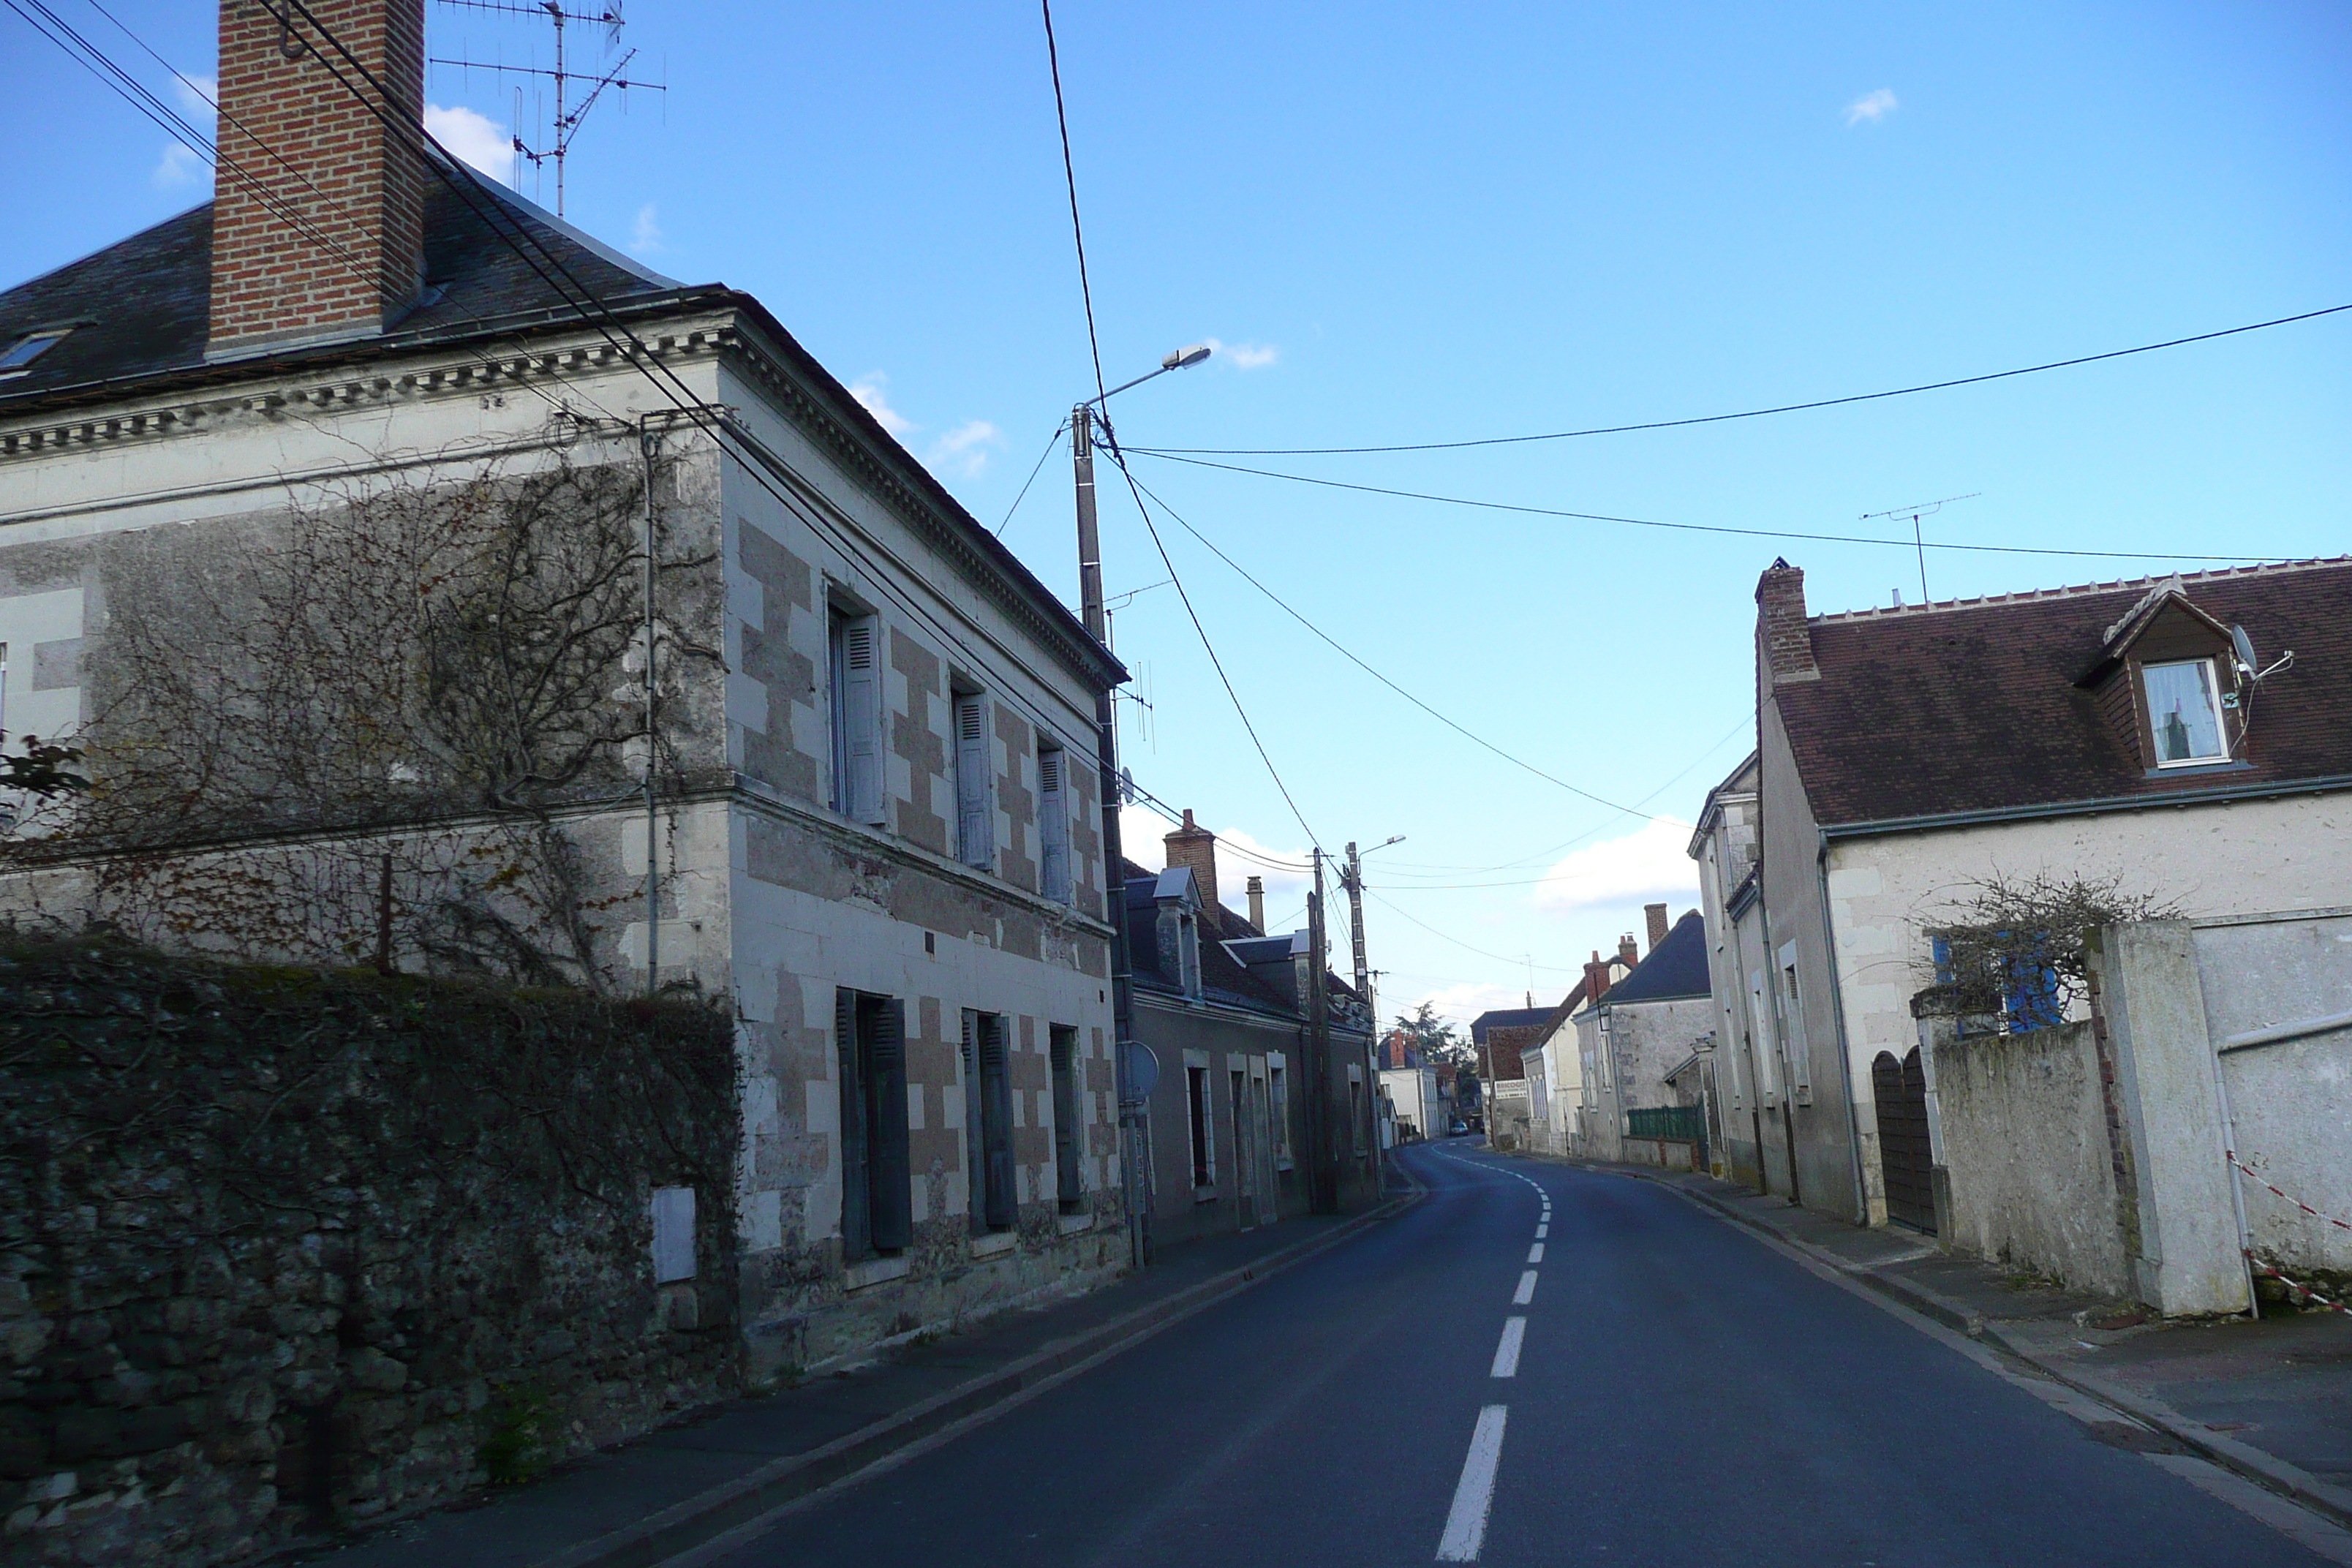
(1433, 222)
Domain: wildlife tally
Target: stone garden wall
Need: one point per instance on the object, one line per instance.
(285, 1252)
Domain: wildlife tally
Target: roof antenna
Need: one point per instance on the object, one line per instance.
(568, 118)
(1915, 511)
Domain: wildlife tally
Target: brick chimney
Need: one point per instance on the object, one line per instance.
(1658, 915)
(1784, 642)
(1628, 953)
(332, 243)
(1197, 847)
(1256, 888)
(1596, 979)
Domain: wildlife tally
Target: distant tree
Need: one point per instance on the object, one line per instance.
(1433, 1038)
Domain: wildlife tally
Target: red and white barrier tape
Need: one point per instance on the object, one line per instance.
(2295, 1288)
(2331, 1219)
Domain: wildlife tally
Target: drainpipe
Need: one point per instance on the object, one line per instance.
(1845, 1051)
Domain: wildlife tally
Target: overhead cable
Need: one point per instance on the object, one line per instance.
(1744, 414)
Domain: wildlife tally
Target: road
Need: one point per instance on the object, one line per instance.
(1683, 1393)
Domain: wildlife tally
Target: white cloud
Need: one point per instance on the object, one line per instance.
(646, 238)
(1245, 356)
(965, 448)
(198, 95)
(179, 166)
(475, 138)
(1144, 834)
(1872, 107)
(870, 390)
(1463, 1001)
(1647, 865)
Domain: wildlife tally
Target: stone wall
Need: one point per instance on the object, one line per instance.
(2025, 1141)
(285, 1251)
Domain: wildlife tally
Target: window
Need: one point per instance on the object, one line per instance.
(988, 1123)
(1062, 1046)
(673, 1216)
(18, 356)
(1053, 824)
(2184, 712)
(1196, 1090)
(856, 718)
(1278, 1083)
(876, 1191)
(1237, 1111)
(975, 802)
(1356, 1123)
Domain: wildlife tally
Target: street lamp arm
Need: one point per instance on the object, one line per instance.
(1179, 360)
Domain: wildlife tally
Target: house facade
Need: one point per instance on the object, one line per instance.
(830, 752)
(1756, 1094)
(2146, 740)
(1632, 1033)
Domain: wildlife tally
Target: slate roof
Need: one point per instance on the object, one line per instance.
(1676, 969)
(1506, 1018)
(1223, 978)
(1975, 706)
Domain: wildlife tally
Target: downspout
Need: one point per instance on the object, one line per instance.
(1845, 1051)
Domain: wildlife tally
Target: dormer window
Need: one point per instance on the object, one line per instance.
(18, 356)
(2184, 712)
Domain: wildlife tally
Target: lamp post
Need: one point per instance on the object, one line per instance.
(1132, 1147)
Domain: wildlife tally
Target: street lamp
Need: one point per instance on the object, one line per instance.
(1132, 1094)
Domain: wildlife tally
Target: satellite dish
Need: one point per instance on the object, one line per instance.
(2244, 646)
(1142, 1071)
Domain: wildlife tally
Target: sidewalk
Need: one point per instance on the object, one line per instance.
(2269, 1399)
(647, 1500)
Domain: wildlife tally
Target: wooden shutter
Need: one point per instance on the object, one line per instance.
(976, 1127)
(1052, 825)
(975, 822)
(893, 1190)
(861, 703)
(996, 1088)
(1063, 1042)
(857, 1205)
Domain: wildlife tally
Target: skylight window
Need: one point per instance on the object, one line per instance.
(18, 356)
(2184, 714)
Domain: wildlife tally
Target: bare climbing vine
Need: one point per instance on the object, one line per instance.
(2019, 947)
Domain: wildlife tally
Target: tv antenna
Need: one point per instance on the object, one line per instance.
(568, 118)
(1915, 511)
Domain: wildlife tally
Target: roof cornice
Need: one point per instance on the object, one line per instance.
(2225, 795)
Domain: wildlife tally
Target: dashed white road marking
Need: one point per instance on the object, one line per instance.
(1543, 1230)
(1526, 1290)
(1473, 1496)
(1507, 1355)
(1535, 1253)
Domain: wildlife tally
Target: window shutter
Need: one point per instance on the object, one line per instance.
(1064, 1044)
(893, 1192)
(996, 1083)
(862, 715)
(1052, 826)
(857, 1232)
(974, 824)
(976, 1127)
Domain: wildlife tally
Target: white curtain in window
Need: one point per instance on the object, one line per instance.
(2182, 711)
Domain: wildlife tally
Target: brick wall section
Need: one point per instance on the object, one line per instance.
(315, 150)
(1196, 847)
(1780, 628)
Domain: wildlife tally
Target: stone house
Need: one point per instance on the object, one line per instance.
(2150, 735)
(1232, 1121)
(1632, 1033)
(1757, 1093)
(839, 739)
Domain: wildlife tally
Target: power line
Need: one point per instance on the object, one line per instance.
(1367, 669)
(1032, 480)
(1689, 527)
(1745, 414)
(1070, 176)
(1497, 957)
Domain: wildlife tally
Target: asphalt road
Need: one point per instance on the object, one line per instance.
(1683, 1393)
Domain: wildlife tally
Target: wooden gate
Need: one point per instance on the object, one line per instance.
(1901, 1090)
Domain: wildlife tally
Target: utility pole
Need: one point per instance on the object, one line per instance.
(1324, 1189)
(1133, 1145)
(1353, 881)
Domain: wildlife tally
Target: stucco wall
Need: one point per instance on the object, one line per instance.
(1887, 893)
(2025, 1139)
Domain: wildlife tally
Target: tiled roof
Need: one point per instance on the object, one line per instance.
(1975, 706)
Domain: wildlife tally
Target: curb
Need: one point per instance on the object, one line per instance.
(684, 1525)
(2322, 1497)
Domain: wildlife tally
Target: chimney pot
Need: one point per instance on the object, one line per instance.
(1628, 953)
(1257, 890)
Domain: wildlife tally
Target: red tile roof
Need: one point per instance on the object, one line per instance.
(1975, 705)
